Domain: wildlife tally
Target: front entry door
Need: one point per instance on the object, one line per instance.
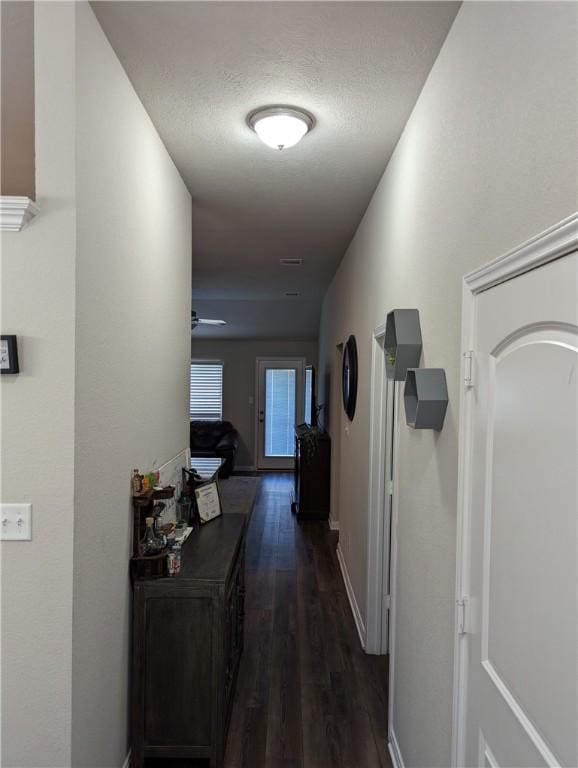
(280, 406)
(521, 629)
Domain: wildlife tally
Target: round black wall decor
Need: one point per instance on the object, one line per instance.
(349, 377)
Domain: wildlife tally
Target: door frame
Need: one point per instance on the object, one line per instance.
(300, 410)
(553, 243)
(332, 421)
(383, 434)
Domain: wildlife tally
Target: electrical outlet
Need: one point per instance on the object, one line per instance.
(15, 522)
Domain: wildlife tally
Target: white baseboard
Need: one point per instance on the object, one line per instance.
(394, 751)
(333, 524)
(126, 763)
(351, 596)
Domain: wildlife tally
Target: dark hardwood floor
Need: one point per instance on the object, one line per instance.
(307, 695)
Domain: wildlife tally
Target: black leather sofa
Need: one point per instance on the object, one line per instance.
(215, 438)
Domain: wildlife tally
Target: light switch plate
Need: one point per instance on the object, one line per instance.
(15, 522)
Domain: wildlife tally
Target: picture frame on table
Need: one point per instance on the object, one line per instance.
(208, 502)
(9, 354)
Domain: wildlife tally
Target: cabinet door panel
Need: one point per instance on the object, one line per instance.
(234, 624)
(179, 663)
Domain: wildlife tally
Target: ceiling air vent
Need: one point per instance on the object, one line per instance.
(292, 294)
(291, 262)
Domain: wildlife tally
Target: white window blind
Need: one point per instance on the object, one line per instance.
(206, 390)
(280, 412)
(309, 395)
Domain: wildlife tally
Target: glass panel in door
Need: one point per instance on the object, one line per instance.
(280, 406)
(280, 396)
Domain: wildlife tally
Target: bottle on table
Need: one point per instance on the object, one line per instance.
(174, 560)
(150, 544)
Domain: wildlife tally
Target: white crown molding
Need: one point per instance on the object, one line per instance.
(16, 212)
(548, 245)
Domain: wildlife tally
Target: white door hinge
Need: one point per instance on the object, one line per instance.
(469, 368)
(390, 487)
(462, 616)
(387, 602)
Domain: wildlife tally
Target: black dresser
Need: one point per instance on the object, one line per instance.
(187, 644)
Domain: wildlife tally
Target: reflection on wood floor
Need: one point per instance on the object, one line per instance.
(307, 695)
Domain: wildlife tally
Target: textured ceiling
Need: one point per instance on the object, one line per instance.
(200, 67)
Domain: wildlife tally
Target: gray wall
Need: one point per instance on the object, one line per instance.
(487, 160)
(38, 288)
(133, 280)
(98, 290)
(239, 357)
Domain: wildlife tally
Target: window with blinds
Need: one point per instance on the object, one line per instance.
(206, 390)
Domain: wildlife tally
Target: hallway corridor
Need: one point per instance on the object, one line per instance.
(307, 695)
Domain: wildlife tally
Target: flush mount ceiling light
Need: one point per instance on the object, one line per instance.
(280, 127)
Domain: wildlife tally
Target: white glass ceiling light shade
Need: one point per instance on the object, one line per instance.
(280, 127)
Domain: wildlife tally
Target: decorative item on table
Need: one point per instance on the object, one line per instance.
(190, 480)
(174, 560)
(151, 481)
(145, 506)
(309, 436)
(183, 510)
(181, 529)
(158, 509)
(208, 502)
(151, 544)
(136, 483)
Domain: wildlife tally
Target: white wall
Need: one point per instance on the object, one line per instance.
(487, 159)
(133, 279)
(98, 291)
(38, 304)
(239, 356)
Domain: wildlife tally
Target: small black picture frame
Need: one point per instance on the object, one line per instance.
(349, 377)
(9, 354)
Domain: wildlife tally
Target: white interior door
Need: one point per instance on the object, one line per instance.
(280, 406)
(520, 677)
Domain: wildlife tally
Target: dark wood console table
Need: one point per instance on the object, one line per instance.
(312, 475)
(187, 644)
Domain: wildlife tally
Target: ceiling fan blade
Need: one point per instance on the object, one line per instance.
(209, 321)
(204, 321)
